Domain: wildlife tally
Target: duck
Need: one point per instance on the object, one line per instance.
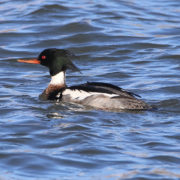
(98, 95)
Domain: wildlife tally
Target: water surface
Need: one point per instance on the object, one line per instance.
(132, 44)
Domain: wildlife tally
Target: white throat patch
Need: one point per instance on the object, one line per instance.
(58, 78)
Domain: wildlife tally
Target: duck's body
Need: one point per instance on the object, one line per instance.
(94, 94)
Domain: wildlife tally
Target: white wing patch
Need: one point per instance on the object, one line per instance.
(80, 94)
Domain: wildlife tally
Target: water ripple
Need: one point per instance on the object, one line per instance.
(132, 44)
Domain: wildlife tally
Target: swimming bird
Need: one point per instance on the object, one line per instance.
(98, 95)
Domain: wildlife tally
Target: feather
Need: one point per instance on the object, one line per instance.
(104, 88)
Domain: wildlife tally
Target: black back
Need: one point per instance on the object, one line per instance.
(103, 88)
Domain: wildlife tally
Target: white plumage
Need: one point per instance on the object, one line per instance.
(81, 95)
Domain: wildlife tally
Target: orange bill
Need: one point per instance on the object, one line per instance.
(32, 61)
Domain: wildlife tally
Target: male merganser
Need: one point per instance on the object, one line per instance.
(99, 95)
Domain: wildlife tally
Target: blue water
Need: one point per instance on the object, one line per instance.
(133, 44)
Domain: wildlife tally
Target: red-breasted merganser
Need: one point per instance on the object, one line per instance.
(99, 95)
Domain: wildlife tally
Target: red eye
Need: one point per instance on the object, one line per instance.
(43, 57)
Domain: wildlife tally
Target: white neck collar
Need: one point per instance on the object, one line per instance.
(58, 79)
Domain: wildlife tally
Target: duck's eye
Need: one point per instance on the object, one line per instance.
(43, 57)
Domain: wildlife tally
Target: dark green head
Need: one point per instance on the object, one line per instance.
(57, 60)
